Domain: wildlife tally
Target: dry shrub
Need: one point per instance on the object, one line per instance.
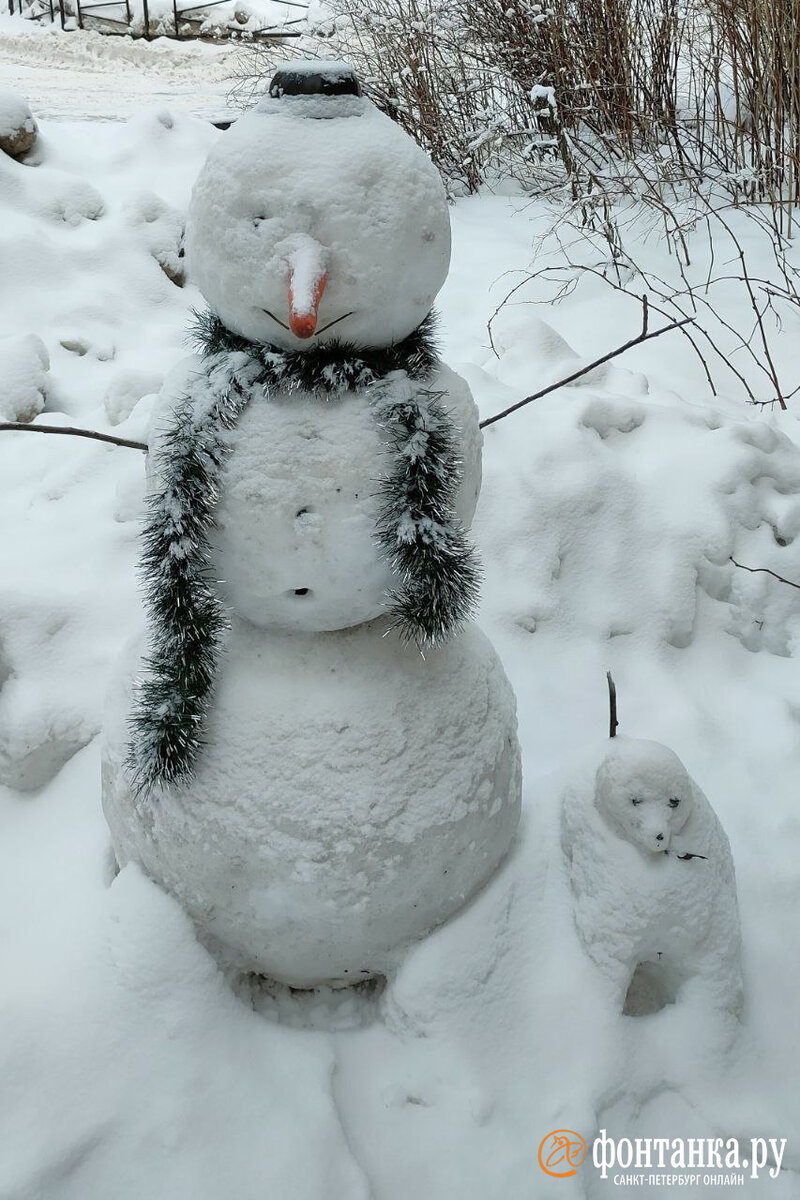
(756, 89)
(500, 87)
(625, 111)
(417, 62)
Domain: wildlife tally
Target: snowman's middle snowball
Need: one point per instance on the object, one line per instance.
(295, 544)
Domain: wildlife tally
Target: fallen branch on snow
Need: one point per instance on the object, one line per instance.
(613, 723)
(71, 431)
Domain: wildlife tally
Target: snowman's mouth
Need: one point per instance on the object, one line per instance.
(316, 332)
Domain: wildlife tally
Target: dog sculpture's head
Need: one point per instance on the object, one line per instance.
(644, 793)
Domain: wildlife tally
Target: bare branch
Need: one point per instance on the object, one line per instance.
(613, 723)
(764, 571)
(70, 431)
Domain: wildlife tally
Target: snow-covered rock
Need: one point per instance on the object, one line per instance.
(326, 198)
(353, 795)
(18, 128)
(652, 879)
(24, 363)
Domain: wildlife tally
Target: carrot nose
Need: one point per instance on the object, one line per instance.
(305, 293)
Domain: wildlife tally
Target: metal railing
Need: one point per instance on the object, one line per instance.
(85, 8)
(184, 25)
(268, 31)
(53, 9)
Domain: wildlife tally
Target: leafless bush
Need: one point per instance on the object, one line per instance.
(756, 89)
(742, 259)
(508, 87)
(624, 111)
(418, 62)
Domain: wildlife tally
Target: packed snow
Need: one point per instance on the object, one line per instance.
(609, 514)
(24, 363)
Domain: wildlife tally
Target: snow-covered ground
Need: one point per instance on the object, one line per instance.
(608, 516)
(90, 73)
(85, 74)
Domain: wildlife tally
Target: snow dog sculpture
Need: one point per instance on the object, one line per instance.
(278, 753)
(652, 879)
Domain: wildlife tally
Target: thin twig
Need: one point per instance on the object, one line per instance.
(764, 571)
(73, 432)
(644, 336)
(613, 723)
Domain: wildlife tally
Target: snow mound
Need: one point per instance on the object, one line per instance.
(515, 327)
(53, 195)
(160, 227)
(126, 389)
(45, 711)
(660, 499)
(24, 363)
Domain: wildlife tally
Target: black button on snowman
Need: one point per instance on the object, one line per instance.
(278, 753)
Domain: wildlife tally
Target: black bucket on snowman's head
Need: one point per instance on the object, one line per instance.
(314, 79)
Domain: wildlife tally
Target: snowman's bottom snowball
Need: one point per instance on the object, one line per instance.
(351, 796)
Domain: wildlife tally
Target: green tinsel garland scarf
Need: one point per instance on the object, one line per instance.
(417, 527)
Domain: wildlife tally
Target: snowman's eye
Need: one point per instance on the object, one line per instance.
(635, 800)
(674, 801)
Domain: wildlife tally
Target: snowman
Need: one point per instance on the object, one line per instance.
(312, 747)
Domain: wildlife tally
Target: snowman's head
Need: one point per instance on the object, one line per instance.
(644, 793)
(316, 217)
